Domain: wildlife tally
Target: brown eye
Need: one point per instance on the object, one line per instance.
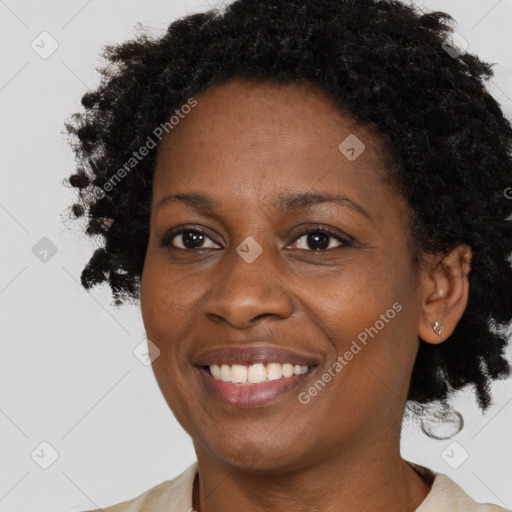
(318, 240)
(189, 239)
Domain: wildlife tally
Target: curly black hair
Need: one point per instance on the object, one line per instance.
(392, 67)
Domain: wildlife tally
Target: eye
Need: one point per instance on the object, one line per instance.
(188, 239)
(319, 240)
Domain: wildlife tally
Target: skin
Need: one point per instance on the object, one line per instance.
(244, 145)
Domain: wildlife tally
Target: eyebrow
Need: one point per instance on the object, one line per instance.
(293, 201)
(308, 199)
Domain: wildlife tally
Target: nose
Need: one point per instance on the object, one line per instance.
(246, 292)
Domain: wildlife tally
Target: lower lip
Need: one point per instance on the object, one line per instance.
(252, 395)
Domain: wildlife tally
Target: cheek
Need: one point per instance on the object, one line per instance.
(368, 315)
(166, 311)
(166, 300)
(356, 296)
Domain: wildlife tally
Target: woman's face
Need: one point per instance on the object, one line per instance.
(253, 168)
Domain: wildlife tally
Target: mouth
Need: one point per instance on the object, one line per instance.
(253, 375)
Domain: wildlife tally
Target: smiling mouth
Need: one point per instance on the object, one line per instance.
(255, 373)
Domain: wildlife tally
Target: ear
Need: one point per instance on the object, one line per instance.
(445, 289)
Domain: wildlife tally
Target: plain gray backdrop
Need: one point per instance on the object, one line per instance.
(68, 374)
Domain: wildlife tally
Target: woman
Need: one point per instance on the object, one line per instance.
(308, 199)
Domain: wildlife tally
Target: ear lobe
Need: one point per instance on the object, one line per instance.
(445, 293)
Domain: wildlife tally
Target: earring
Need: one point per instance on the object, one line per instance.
(437, 328)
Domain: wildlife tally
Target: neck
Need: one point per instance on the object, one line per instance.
(355, 480)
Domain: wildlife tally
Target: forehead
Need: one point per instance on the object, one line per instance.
(244, 136)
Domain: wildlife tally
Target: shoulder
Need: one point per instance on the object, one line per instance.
(447, 496)
(176, 493)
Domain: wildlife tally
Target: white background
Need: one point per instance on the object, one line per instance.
(68, 375)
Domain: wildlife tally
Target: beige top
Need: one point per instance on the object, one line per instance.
(176, 496)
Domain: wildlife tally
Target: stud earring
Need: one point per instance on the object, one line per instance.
(437, 328)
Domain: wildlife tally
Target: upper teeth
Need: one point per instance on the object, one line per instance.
(255, 373)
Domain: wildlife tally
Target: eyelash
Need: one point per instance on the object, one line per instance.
(166, 241)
